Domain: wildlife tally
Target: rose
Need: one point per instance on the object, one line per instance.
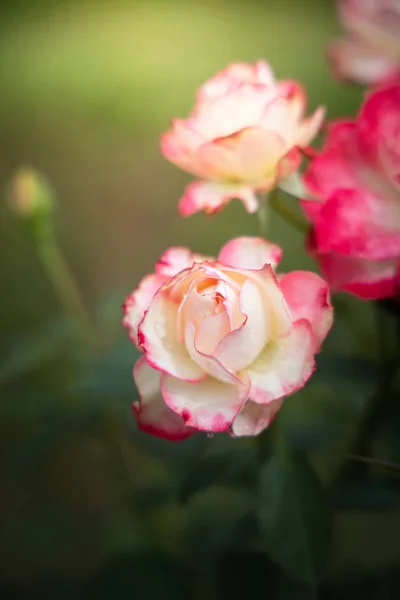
(356, 213)
(243, 136)
(371, 53)
(224, 340)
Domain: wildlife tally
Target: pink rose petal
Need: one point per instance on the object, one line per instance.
(152, 414)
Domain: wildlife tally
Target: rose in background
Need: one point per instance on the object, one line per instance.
(356, 213)
(244, 134)
(370, 54)
(224, 340)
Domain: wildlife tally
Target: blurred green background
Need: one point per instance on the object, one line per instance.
(86, 89)
(88, 86)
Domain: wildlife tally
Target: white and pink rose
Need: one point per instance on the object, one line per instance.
(246, 133)
(224, 340)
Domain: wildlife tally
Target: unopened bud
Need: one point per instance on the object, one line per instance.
(30, 194)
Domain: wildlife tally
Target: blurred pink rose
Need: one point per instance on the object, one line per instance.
(224, 340)
(243, 135)
(370, 54)
(356, 214)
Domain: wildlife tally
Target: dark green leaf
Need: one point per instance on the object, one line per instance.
(366, 540)
(109, 311)
(29, 351)
(328, 405)
(224, 461)
(144, 575)
(110, 375)
(217, 519)
(294, 515)
(363, 490)
(323, 418)
(122, 534)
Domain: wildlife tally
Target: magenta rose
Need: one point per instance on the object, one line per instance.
(356, 211)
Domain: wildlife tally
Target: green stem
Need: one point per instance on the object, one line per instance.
(262, 213)
(286, 213)
(382, 398)
(64, 285)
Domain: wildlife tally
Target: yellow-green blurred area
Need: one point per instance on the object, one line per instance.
(86, 88)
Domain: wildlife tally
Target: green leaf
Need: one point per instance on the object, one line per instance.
(225, 461)
(293, 513)
(142, 575)
(122, 534)
(217, 519)
(328, 405)
(368, 541)
(29, 351)
(110, 375)
(363, 490)
(323, 418)
(108, 312)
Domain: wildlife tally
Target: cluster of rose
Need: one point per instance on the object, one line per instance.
(225, 339)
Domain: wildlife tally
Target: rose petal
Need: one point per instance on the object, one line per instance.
(208, 405)
(359, 224)
(209, 363)
(249, 155)
(366, 279)
(152, 414)
(311, 208)
(378, 129)
(354, 61)
(241, 106)
(211, 331)
(232, 76)
(158, 336)
(250, 253)
(295, 93)
(278, 118)
(288, 164)
(213, 197)
(241, 347)
(334, 167)
(180, 144)
(176, 259)
(307, 296)
(284, 366)
(254, 418)
(138, 302)
(309, 127)
(280, 320)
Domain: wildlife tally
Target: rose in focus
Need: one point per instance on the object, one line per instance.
(370, 54)
(245, 133)
(356, 211)
(224, 340)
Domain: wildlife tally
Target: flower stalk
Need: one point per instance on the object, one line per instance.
(277, 203)
(64, 284)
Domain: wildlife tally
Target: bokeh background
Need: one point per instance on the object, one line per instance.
(86, 88)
